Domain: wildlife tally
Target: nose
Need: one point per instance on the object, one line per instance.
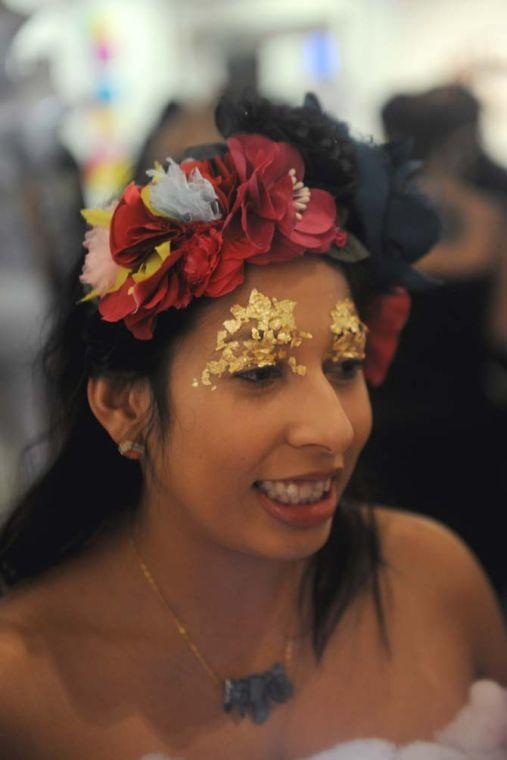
(319, 418)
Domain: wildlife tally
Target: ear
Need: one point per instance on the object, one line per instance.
(121, 408)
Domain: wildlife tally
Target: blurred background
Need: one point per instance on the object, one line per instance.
(92, 91)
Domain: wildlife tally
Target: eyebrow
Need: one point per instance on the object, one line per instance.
(244, 333)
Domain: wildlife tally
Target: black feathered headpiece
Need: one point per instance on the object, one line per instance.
(389, 220)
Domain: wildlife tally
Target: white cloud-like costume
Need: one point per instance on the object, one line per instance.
(478, 732)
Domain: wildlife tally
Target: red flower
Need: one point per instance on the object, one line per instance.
(135, 231)
(386, 318)
(200, 259)
(172, 293)
(221, 173)
(229, 275)
(264, 197)
(259, 224)
(139, 304)
(262, 226)
(183, 275)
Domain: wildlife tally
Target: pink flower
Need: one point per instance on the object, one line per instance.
(99, 271)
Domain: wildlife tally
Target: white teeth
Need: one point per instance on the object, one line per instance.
(293, 493)
(304, 492)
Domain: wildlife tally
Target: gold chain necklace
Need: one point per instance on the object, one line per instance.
(252, 694)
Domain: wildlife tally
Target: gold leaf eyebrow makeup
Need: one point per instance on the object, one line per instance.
(348, 332)
(271, 332)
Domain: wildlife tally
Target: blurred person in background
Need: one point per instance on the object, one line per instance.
(441, 417)
(40, 232)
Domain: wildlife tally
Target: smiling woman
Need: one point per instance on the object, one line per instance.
(274, 434)
(189, 575)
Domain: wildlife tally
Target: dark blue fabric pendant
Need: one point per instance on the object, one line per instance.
(254, 695)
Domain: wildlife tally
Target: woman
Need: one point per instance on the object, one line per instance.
(211, 593)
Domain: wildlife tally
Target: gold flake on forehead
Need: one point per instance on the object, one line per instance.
(273, 335)
(349, 333)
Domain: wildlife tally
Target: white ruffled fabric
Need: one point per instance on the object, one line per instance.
(478, 732)
(188, 199)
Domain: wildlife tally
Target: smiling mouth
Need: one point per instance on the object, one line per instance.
(297, 510)
(296, 491)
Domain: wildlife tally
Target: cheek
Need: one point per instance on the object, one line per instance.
(209, 441)
(360, 415)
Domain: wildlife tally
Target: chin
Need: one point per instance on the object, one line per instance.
(296, 544)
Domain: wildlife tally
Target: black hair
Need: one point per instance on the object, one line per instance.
(324, 143)
(88, 488)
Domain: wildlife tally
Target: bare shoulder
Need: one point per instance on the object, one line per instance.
(20, 675)
(429, 556)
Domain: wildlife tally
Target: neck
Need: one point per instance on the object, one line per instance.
(238, 608)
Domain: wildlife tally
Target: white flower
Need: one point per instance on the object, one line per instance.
(187, 199)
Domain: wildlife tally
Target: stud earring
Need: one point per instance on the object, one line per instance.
(131, 449)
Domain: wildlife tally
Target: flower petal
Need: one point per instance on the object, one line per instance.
(97, 217)
(152, 264)
(228, 275)
(100, 271)
(116, 306)
(320, 214)
(387, 315)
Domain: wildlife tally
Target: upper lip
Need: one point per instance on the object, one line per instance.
(321, 475)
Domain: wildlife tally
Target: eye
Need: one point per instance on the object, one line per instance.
(260, 375)
(346, 370)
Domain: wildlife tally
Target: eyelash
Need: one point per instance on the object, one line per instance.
(272, 372)
(350, 368)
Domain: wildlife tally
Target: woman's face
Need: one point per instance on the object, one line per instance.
(270, 425)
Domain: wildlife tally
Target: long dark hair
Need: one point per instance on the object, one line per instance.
(65, 511)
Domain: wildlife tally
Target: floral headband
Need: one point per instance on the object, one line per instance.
(190, 231)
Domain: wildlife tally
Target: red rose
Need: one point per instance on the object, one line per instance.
(135, 231)
(200, 258)
(182, 276)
